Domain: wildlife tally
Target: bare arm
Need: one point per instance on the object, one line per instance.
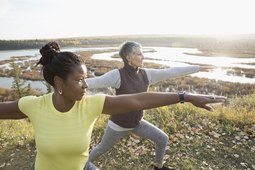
(10, 110)
(140, 101)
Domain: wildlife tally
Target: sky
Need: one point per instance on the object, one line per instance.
(42, 19)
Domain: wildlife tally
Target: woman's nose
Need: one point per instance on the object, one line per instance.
(85, 85)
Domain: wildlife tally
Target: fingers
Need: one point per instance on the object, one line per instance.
(217, 99)
(214, 99)
(202, 100)
(220, 97)
(206, 68)
(209, 108)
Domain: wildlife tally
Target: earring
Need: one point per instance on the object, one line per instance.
(60, 91)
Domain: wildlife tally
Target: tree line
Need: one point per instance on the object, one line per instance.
(237, 43)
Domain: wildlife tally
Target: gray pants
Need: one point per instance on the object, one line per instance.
(144, 129)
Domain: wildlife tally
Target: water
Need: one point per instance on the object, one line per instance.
(7, 54)
(173, 57)
(34, 53)
(6, 82)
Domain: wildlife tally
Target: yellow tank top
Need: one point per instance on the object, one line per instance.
(62, 139)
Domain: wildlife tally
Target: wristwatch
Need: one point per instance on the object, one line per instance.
(181, 96)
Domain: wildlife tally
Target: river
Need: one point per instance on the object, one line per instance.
(176, 57)
(173, 57)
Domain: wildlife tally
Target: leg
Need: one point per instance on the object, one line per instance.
(90, 166)
(110, 138)
(33, 166)
(149, 131)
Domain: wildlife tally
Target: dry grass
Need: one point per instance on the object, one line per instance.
(223, 139)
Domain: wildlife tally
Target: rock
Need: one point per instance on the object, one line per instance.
(215, 134)
(236, 155)
(243, 164)
(237, 138)
(3, 165)
(205, 163)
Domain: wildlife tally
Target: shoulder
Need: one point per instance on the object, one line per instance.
(93, 104)
(146, 70)
(30, 104)
(34, 100)
(93, 99)
(112, 73)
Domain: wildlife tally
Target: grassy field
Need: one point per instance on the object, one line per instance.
(198, 139)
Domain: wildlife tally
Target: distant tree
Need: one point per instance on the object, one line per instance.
(29, 90)
(18, 85)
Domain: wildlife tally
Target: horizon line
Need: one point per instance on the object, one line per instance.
(136, 35)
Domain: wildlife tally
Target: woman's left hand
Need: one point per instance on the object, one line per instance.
(200, 100)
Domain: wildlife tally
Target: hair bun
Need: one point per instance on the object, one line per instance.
(48, 52)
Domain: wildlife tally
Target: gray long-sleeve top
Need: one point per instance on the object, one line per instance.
(112, 78)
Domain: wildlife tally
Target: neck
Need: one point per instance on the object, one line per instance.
(131, 68)
(61, 104)
(135, 67)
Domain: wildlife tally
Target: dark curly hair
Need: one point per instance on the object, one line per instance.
(57, 63)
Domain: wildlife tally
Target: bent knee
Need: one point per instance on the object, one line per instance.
(162, 140)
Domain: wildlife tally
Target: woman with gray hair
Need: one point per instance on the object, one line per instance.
(130, 79)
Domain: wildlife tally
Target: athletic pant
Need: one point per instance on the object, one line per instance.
(144, 129)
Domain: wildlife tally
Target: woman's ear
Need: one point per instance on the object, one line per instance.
(129, 58)
(58, 82)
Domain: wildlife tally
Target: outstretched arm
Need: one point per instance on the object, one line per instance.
(156, 75)
(109, 79)
(10, 110)
(140, 101)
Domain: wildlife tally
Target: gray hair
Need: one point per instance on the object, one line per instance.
(128, 48)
